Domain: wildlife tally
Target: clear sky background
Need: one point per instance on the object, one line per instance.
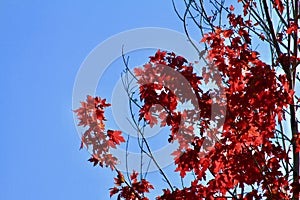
(43, 44)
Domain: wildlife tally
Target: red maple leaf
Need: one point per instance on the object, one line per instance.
(115, 136)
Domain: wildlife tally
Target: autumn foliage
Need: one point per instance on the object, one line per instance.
(91, 114)
(247, 152)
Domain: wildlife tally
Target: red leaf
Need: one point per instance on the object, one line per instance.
(203, 39)
(292, 28)
(115, 136)
(150, 119)
(227, 33)
(134, 175)
(120, 179)
(113, 191)
(104, 104)
(138, 71)
(94, 159)
(100, 115)
(279, 5)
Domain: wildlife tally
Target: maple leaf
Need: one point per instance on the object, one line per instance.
(113, 191)
(150, 119)
(100, 115)
(227, 33)
(138, 71)
(115, 136)
(103, 103)
(133, 176)
(94, 159)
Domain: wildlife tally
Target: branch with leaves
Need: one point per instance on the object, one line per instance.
(253, 150)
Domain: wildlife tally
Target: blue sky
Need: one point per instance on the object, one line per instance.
(43, 44)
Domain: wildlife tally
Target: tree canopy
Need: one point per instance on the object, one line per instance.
(231, 138)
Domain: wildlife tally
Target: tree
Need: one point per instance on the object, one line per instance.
(241, 143)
